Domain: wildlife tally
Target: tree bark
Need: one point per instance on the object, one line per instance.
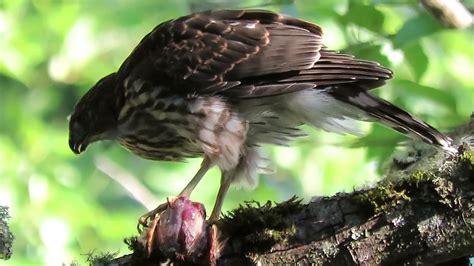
(6, 237)
(422, 212)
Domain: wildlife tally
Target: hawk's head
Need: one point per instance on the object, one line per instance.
(95, 116)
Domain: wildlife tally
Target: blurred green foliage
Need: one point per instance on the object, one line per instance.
(51, 51)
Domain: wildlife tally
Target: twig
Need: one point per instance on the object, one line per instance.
(452, 13)
(129, 182)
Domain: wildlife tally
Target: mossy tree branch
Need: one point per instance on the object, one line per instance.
(422, 212)
(6, 237)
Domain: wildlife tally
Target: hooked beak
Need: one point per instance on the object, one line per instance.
(77, 146)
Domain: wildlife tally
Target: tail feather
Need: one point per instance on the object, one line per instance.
(390, 115)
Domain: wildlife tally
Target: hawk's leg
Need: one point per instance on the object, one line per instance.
(205, 166)
(226, 180)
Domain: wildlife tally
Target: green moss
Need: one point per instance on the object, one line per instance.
(420, 176)
(281, 236)
(253, 217)
(261, 225)
(468, 157)
(384, 196)
(101, 258)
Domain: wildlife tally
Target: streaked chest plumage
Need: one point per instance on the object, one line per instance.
(155, 127)
(156, 124)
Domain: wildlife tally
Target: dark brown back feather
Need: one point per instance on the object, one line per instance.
(244, 54)
(215, 49)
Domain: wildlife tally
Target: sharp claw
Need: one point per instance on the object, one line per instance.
(142, 223)
(144, 220)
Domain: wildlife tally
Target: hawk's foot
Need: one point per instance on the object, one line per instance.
(150, 216)
(181, 232)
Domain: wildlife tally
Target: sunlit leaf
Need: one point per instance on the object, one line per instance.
(379, 137)
(380, 143)
(365, 16)
(416, 28)
(394, 2)
(283, 2)
(416, 58)
(441, 97)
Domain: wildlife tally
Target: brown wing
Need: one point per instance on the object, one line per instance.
(214, 50)
(242, 53)
(332, 68)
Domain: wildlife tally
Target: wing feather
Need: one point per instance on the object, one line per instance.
(244, 53)
(209, 49)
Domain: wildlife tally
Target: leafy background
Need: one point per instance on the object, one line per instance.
(51, 51)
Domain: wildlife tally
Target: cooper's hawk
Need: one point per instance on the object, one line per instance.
(217, 84)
